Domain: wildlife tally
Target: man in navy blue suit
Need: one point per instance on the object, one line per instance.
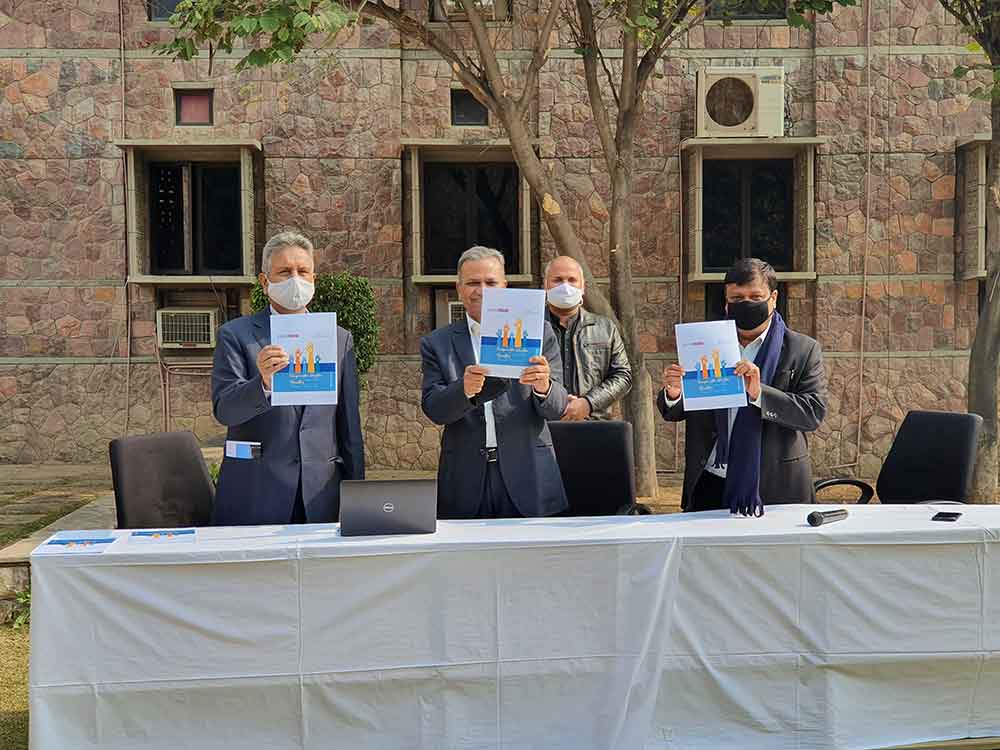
(304, 451)
(497, 459)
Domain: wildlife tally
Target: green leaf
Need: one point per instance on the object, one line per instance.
(302, 20)
(645, 21)
(283, 33)
(269, 23)
(974, 46)
(304, 4)
(960, 71)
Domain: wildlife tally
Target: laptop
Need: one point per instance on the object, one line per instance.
(392, 506)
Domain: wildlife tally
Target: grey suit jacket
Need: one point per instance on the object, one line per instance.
(524, 445)
(793, 405)
(322, 449)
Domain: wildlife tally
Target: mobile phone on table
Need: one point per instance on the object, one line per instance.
(943, 516)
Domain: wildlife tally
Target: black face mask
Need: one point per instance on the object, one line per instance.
(748, 314)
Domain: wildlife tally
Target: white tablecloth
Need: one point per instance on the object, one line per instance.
(668, 632)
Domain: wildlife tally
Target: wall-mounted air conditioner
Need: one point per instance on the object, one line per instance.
(741, 102)
(186, 327)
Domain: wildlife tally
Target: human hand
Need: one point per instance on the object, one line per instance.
(271, 359)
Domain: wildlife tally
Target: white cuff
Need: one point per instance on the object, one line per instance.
(672, 402)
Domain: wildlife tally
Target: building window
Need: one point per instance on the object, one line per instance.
(191, 212)
(161, 10)
(195, 219)
(453, 10)
(194, 107)
(460, 196)
(715, 301)
(746, 10)
(748, 211)
(466, 109)
(466, 205)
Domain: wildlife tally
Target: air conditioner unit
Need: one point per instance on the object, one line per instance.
(741, 102)
(186, 327)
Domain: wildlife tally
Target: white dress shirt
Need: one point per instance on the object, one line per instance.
(491, 425)
(748, 353)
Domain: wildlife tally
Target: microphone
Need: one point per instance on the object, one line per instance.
(819, 517)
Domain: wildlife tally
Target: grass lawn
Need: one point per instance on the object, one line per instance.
(13, 688)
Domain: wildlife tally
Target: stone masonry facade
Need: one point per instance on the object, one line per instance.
(78, 358)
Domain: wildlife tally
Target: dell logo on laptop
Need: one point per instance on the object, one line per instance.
(388, 508)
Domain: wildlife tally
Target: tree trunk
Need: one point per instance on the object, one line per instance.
(638, 405)
(551, 211)
(984, 362)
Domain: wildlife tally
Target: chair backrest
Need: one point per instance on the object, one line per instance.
(597, 466)
(161, 480)
(932, 458)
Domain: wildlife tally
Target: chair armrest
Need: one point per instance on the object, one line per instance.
(940, 502)
(867, 492)
(634, 509)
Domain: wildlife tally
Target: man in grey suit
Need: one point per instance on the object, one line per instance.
(305, 451)
(762, 445)
(496, 458)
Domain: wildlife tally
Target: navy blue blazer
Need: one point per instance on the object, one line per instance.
(322, 449)
(524, 445)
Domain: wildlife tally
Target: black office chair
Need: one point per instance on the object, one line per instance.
(597, 467)
(931, 460)
(161, 480)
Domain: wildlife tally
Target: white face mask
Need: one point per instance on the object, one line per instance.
(565, 296)
(292, 294)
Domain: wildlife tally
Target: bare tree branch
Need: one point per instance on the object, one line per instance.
(588, 41)
(488, 57)
(666, 32)
(479, 85)
(539, 57)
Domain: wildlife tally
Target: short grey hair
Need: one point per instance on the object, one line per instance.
(478, 252)
(548, 266)
(279, 242)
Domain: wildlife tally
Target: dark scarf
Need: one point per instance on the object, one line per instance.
(740, 452)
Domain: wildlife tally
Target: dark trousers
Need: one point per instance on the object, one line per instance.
(708, 494)
(495, 501)
(299, 509)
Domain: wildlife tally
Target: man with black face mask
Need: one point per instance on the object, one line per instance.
(744, 459)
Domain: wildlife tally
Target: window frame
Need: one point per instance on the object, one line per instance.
(451, 105)
(156, 19)
(802, 149)
(746, 17)
(138, 154)
(418, 155)
(180, 92)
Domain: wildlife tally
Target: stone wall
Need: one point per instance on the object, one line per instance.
(333, 129)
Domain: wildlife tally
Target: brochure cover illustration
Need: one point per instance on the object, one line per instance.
(77, 543)
(708, 352)
(512, 327)
(311, 376)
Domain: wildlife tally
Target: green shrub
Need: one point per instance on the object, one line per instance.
(22, 609)
(353, 299)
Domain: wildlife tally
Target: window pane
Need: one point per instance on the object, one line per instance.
(721, 214)
(161, 10)
(218, 239)
(166, 218)
(466, 109)
(771, 213)
(466, 205)
(193, 107)
(747, 9)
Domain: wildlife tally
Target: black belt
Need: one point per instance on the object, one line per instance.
(490, 454)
